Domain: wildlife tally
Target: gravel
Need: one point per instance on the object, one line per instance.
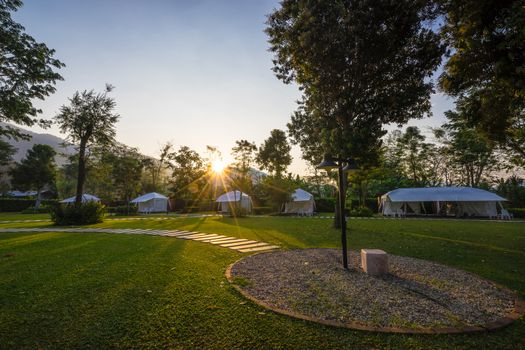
(415, 294)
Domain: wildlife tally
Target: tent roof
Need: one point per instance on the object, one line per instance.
(232, 196)
(442, 194)
(148, 197)
(85, 198)
(300, 195)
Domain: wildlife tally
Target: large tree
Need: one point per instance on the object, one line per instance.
(486, 67)
(35, 171)
(360, 64)
(188, 171)
(27, 72)
(89, 122)
(274, 153)
(244, 154)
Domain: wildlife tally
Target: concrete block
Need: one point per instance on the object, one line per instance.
(374, 261)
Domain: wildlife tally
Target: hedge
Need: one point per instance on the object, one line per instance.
(517, 212)
(262, 210)
(18, 205)
(87, 213)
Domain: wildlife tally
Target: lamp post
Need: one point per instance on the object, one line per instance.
(328, 164)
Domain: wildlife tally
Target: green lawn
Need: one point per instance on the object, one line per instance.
(60, 290)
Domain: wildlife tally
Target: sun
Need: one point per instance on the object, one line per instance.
(217, 166)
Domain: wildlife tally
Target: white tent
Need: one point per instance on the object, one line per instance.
(230, 199)
(302, 203)
(85, 198)
(460, 201)
(152, 203)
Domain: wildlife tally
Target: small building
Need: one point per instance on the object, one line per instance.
(85, 198)
(152, 203)
(441, 201)
(229, 200)
(302, 203)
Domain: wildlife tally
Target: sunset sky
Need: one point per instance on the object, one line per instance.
(195, 73)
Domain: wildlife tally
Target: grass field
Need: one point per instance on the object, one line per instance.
(60, 290)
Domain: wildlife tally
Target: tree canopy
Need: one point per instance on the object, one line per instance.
(274, 153)
(89, 122)
(27, 71)
(36, 170)
(360, 64)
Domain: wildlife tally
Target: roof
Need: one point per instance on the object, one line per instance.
(148, 197)
(232, 196)
(85, 198)
(301, 195)
(442, 194)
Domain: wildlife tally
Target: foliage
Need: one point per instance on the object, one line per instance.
(156, 170)
(513, 190)
(39, 210)
(88, 121)
(361, 212)
(325, 205)
(274, 191)
(244, 154)
(486, 68)
(6, 152)
(18, 205)
(125, 171)
(274, 153)
(518, 213)
(84, 214)
(359, 64)
(27, 71)
(123, 210)
(36, 170)
(262, 210)
(188, 171)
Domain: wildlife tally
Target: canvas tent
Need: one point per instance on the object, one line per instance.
(85, 198)
(458, 201)
(230, 199)
(302, 203)
(152, 203)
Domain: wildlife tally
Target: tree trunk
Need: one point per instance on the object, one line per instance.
(38, 199)
(81, 173)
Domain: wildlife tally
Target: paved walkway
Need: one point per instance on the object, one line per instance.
(239, 244)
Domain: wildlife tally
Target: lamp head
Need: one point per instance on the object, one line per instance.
(351, 166)
(327, 163)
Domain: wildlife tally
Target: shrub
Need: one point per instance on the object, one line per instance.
(517, 212)
(361, 212)
(123, 210)
(17, 205)
(87, 213)
(189, 209)
(325, 205)
(262, 210)
(33, 210)
(238, 212)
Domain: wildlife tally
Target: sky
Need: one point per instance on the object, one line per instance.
(194, 73)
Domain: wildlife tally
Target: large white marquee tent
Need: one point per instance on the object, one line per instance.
(458, 201)
(152, 203)
(85, 198)
(230, 199)
(302, 203)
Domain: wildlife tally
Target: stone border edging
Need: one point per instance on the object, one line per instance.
(519, 311)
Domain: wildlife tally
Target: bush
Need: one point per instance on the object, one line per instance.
(87, 213)
(189, 209)
(238, 212)
(17, 205)
(33, 210)
(262, 210)
(361, 212)
(123, 210)
(323, 205)
(517, 212)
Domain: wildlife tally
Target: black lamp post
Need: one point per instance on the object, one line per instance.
(343, 166)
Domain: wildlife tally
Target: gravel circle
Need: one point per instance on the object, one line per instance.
(415, 295)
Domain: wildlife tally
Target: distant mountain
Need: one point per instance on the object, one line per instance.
(36, 138)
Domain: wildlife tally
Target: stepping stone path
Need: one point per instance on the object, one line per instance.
(239, 244)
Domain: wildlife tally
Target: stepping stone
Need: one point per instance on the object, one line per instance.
(229, 241)
(251, 245)
(228, 245)
(207, 238)
(175, 233)
(192, 236)
(226, 239)
(258, 249)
